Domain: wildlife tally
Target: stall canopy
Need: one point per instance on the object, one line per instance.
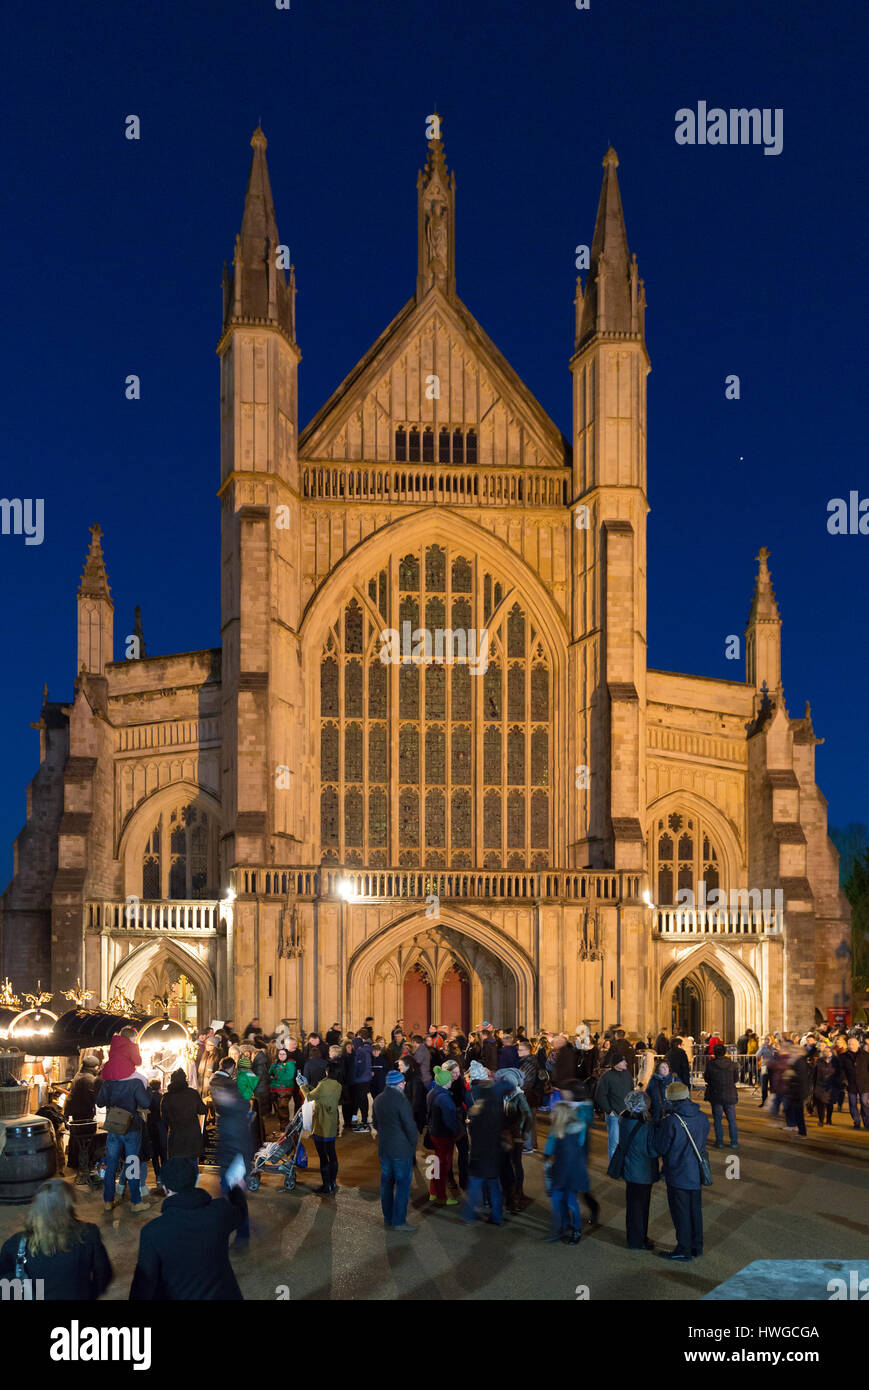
(79, 1028)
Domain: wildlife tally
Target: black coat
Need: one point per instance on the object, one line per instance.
(855, 1069)
(720, 1078)
(677, 1060)
(184, 1253)
(671, 1143)
(179, 1110)
(662, 1045)
(393, 1119)
(485, 1123)
(826, 1081)
(798, 1081)
(80, 1273)
(82, 1100)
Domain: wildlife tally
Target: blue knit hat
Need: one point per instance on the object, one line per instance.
(394, 1078)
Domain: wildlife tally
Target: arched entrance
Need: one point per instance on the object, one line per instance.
(710, 990)
(430, 972)
(157, 970)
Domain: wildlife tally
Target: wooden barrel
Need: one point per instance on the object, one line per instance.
(28, 1159)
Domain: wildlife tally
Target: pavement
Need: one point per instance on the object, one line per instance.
(780, 1197)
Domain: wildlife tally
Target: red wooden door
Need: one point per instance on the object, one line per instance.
(455, 1000)
(417, 1003)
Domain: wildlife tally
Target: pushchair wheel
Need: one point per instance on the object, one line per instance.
(289, 1182)
(253, 1182)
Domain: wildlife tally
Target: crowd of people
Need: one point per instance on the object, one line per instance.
(457, 1112)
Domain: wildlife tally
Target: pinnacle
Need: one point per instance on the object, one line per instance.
(610, 159)
(258, 140)
(95, 580)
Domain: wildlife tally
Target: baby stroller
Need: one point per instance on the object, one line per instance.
(282, 1155)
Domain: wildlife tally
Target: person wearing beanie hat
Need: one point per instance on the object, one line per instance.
(180, 1110)
(443, 1128)
(684, 1123)
(184, 1254)
(517, 1126)
(396, 1146)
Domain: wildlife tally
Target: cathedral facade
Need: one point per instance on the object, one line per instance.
(428, 774)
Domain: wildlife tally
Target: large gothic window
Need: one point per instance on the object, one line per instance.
(435, 722)
(684, 856)
(180, 857)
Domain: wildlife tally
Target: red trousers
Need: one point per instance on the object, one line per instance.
(443, 1152)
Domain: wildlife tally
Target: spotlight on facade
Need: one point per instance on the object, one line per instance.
(346, 890)
(230, 895)
(647, 899)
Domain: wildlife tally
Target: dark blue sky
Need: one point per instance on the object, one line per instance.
(112, 255)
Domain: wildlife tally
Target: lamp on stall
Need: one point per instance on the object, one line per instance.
(165, 1036)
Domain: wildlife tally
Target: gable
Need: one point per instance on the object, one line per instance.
(434, 368)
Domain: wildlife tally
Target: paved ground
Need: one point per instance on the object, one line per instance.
(794, 1199)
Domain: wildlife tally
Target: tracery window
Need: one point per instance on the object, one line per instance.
(180, 856)
(684, 855)
(440, 755)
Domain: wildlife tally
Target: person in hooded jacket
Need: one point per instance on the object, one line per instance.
(361, 1077)
(640, 1172)
(517, 1126)
(462, 1100)
(184, 1253)
(722, 1095)
(672, 1142)
(180, 1110)
(566, 1173)
(380, 1069)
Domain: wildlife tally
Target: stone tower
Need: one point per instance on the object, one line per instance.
(260, 537)
(609, 369)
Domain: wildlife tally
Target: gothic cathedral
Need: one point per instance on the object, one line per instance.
(428, 774)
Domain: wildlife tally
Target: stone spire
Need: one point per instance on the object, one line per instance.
(95, 612)
(257, 290)
(436, 218)
(95, 581)
(763, 632)
(615, 297)
(763, 604)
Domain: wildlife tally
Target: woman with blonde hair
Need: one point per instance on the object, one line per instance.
(67, 1255)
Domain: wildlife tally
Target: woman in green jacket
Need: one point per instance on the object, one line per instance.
(246, 1080)
(326, 1097)
(282, 1078)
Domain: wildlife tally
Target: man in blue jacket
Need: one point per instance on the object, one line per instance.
(128, 1094)
(396, 1145)
(360, 1080)
(682, 1169)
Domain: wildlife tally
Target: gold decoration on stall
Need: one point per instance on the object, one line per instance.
(78, 996)
(8, 998)
(120, 1003)
(39, 998)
